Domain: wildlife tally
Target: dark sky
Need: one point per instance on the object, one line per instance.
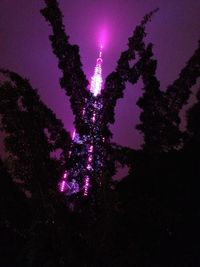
(25, 48)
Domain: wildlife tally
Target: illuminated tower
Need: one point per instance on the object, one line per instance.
(96, 80)
(86, 156)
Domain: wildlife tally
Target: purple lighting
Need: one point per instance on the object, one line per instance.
(90, 149)
(103, 35)
(86, 185)
(62, 186)
(63, 183)
(90, 158)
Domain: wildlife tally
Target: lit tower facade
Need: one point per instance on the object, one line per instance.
(86, 157)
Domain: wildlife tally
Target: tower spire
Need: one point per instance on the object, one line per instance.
(96, 80)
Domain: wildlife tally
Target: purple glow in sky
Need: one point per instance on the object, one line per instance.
(102, 36)
(25, 48)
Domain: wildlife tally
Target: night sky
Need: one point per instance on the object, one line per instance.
(25, 48)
